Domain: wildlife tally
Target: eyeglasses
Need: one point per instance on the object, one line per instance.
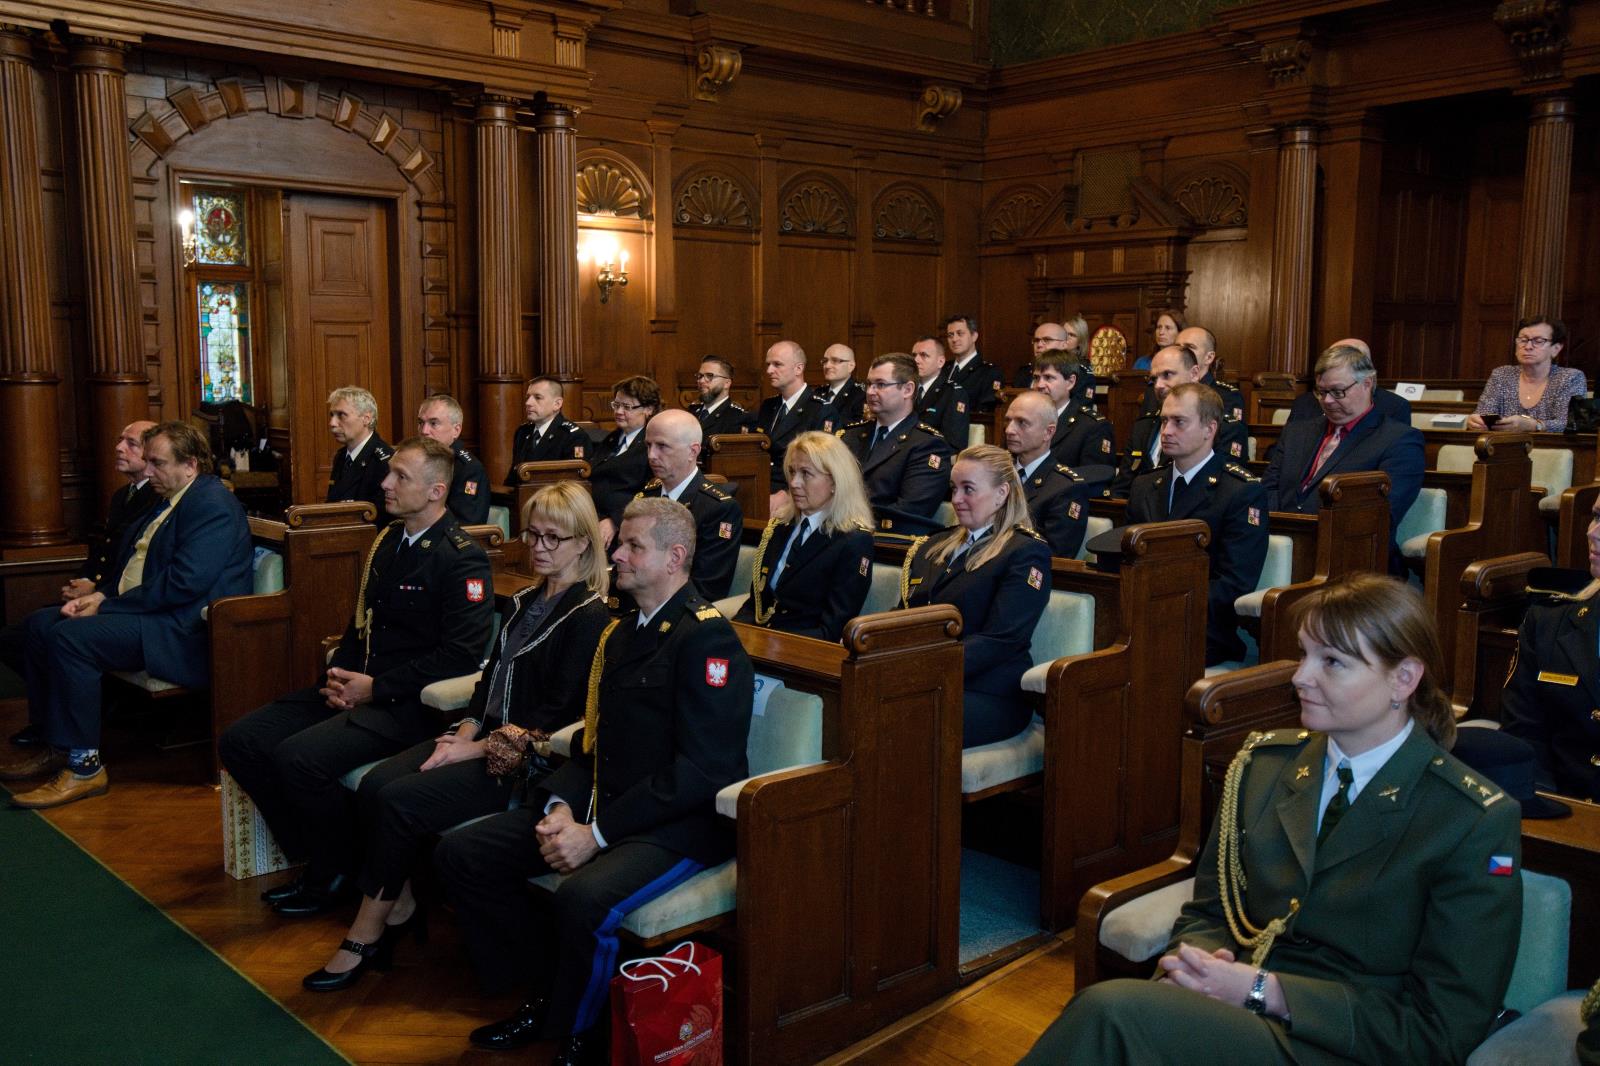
(1534, 342)
(1334, 394)
(708, 377)
(615, 406)
(884, 384)
(548, 541)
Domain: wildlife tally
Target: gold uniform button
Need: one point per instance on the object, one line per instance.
(1595, 714)
(1594, 760)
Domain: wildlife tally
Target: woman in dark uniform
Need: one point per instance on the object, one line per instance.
(814, 565)
(529, 684)
(1554, 688)
(1359, 898)
(995, 570)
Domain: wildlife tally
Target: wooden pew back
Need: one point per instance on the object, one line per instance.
(745, 460)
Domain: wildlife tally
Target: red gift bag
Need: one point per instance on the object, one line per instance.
(667, 1010)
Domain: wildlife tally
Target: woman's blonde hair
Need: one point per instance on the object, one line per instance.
(1013, 512)
(1390, 618)
(849, 508)
(568, 506)
(1079, 326)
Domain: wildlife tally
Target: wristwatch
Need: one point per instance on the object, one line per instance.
(1256, 1001)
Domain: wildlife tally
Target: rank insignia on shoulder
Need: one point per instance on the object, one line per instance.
(1075, 510)
(866, 566)
(1035, 578)
(725, 531)
(1253, 516)
(474, 590)
(470, 488)
(933, 462)
(707, 613)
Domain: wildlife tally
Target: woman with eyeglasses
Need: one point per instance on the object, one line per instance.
(995, 570)
(1532, 395)
(621, 464)
(533, 684)
(814, 564)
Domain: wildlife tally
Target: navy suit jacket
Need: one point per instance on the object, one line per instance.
(201, 553)
(1376, 443)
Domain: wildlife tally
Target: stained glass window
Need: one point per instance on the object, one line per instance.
(224, 341)
(219, 229)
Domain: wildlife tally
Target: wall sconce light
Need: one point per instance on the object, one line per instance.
(186, 224)
(611, 266)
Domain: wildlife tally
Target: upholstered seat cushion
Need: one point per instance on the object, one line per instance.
(731, 605)
(1541, 967)
(884, 592)
(988, 765)
(1140, 928)
(742, 569)
(1543, 1036)
(1096, 525)
(352, 778)
(451, 694)
(1426, 516)
(710, 892)
(1276, 571)
(501, 516)
(267, 576)
(142, 679)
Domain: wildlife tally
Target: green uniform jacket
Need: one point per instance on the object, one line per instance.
(1403, 945)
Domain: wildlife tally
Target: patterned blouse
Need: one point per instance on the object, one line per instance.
(1500, 395)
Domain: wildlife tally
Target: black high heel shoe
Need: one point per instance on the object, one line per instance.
(378, 956)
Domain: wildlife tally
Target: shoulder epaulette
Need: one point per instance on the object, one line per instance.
(715, 493)
(653, 483)
(384, 452)
(464, 455)
(1276, 738)
(1241, 472)
(459, 537)
(927, 428)
(1470, 783)
(863, 422)
(573, 427)
(1064, 469)
(706, 612)
(735, 405)
(1030, 531)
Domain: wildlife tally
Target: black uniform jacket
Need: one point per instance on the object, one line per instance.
(361, 478)
(562, 439)
(823, 585)
(1000, 604)
(982, 381)
(727, 418)
(1058, 502)
(1552, 697)
(675, 700)
(469, 489)
(1403, 942)
(947, 408)
(718, 525)
(1232, 442)
(127, 511)
(1083, 439)
(848, 405)
(616, 478)
(432, 613)
(547, 679)
(910, 470)
(1232, 399)
(807, 414)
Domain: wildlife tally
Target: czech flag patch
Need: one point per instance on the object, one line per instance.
(866, 566)
(1500, 866)
(716, 672)
(933, 462)
(474, 590)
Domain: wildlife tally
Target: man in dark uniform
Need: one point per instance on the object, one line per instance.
(1058, 497)
(1200, 483)
(629, 816)
(1201, 343)
(715, 411)
(673, 442)
(906, 466)
(939, 403)
(620, 465)
(362, 460)
(1083, 439)
(970, 370)
(547, 436)
(839, 391)
(1047, 337)
(1169, 367)
(425, 613)
(439, 418)
(793, 411)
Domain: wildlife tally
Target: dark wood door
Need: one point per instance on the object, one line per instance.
(338, 294)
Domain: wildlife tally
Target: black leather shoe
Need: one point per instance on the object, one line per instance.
(581, 1049)
(377, 956)
(519, 1030)
(285, 890)
(317, 899)
(27, 737)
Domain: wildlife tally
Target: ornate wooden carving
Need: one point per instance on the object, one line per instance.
(1546, 190)
(500, 373)
(605, 188)
(1290, 336)
(560, 353)
(713, 200)
(938, 103)
(906, 214)
(815, 206)
(1537, 30)
(30, 501)
(1014, 214)
(1213, 198)
(716, 65)
(1286, 61)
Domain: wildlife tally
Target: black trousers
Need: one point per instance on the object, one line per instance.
(485, 867)
(986, 718)
(289, 756)
(402, 807)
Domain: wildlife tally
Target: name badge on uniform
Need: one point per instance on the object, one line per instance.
(1558, 679)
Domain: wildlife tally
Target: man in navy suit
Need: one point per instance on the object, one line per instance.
(1389, 404)
(1352, 435)
(193, 548)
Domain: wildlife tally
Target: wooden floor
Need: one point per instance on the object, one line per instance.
(159, 829)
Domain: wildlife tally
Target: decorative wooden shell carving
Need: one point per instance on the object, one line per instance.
(1213, 198)
(713, 200)
(1014, 214)
(607, 189)
(814, 207)
(906, 214)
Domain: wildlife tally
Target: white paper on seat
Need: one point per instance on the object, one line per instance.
(765, 687)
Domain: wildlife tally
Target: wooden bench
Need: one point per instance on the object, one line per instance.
(743, 459)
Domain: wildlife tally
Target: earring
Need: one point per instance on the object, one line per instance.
(1394, 705)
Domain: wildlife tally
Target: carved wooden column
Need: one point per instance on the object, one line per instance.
(500, 376)
(664, 287)
(1546, 188)
(769, 318)
(557, 152)
(30, 500)
(121, 388)
(1289, 340)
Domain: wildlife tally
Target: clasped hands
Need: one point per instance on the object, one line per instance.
(346, 689)
(85, 606)
(1218, 975)
(564, 842)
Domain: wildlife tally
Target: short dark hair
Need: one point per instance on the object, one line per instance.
(905, 367)
(641, 390)
(721, 364)
(544, 379)
(438, 461)
(1558, 328)
(930, 337)
(1207, 403)
(1063, 362)
(187, 443)
(972, 323)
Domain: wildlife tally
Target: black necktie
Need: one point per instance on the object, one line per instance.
(1339, 804)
